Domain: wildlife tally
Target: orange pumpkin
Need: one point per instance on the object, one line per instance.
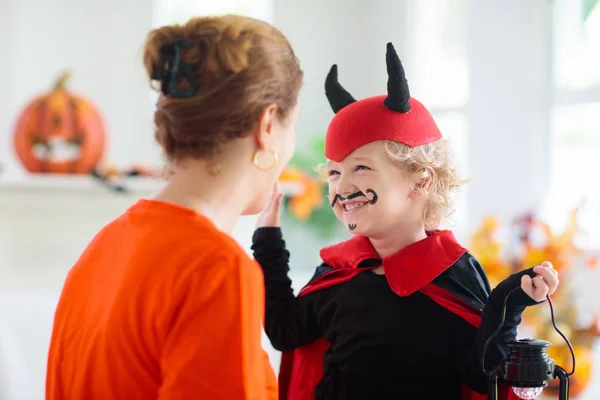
(580, 380)
(59, 132)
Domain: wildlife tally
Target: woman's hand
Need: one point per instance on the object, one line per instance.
(271, 215)
(543, 284)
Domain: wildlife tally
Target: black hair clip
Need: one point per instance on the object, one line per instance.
(174, 69)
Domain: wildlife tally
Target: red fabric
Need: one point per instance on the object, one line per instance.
(368, 120)
(454, 304)
(407, 271)
(302, 369)
(331, 278)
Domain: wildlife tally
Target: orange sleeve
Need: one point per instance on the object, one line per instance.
(213, 348)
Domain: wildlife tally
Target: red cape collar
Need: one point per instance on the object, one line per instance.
(408, 270)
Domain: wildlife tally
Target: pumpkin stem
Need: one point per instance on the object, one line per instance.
(61, 82)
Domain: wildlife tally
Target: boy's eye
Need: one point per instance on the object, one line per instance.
(362, 167)
(333, 172)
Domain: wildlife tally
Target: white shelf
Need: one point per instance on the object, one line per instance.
(84, 183)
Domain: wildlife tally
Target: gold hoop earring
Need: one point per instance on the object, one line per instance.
(256, 161)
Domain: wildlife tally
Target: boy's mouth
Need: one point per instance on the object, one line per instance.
(354, 205)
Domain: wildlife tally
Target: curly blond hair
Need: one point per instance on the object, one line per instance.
(434, 175)
(433, 172)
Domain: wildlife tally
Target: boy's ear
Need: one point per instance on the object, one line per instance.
(423, 183)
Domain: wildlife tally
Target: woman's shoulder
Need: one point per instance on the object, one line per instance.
(202, 264)
(210, 248)
(177, 232)
(172, 240)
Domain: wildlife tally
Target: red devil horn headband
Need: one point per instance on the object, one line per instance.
(397, 87)
(338, 96)
(395, 116)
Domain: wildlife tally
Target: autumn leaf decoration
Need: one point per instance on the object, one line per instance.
(302, 204)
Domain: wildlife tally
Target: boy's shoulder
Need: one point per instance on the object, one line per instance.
(467, 280)
(467, 268)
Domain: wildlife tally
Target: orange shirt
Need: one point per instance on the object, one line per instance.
(161, 305)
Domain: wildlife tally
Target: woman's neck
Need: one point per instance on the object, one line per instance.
(221, 198)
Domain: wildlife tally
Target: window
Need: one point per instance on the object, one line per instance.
(575, 119)
(575, 162)
(439, 77)
(440, 73)
(576, 44)
(453, 125)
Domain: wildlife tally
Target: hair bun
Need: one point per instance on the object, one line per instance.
(216, 75)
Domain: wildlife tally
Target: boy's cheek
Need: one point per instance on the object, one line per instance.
(338, 212)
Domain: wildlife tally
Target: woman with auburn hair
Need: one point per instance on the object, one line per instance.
(164, 303)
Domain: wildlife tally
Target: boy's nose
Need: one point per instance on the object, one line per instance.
(345, 187)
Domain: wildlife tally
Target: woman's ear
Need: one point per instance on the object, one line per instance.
(264, 127)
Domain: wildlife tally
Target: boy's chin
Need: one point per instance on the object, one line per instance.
(356, 228)
(364, 230)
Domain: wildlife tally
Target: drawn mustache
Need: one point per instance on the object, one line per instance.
(373, 199)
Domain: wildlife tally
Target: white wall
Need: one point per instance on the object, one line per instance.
(6, 29)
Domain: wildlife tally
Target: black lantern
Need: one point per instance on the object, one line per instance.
(528, 367)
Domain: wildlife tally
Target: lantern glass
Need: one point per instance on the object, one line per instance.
(528, 393)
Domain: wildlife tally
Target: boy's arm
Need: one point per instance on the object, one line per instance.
(290, 321)
(470, 341)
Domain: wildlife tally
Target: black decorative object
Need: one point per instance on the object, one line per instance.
(528, 367)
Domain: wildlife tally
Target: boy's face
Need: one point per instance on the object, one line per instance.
(370, 193)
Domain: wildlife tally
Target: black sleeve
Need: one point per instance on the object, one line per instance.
(290, 321)
(469, 341)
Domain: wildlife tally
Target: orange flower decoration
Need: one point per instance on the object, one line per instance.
(487, 249)
(301, 205)
(291, 174)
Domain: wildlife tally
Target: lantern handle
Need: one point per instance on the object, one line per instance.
(493, 383)
(563, 336)
(493, 335)
(501, 325)
(563, 377)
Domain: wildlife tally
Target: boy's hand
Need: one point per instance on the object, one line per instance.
(271, 215)
(544, 283)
